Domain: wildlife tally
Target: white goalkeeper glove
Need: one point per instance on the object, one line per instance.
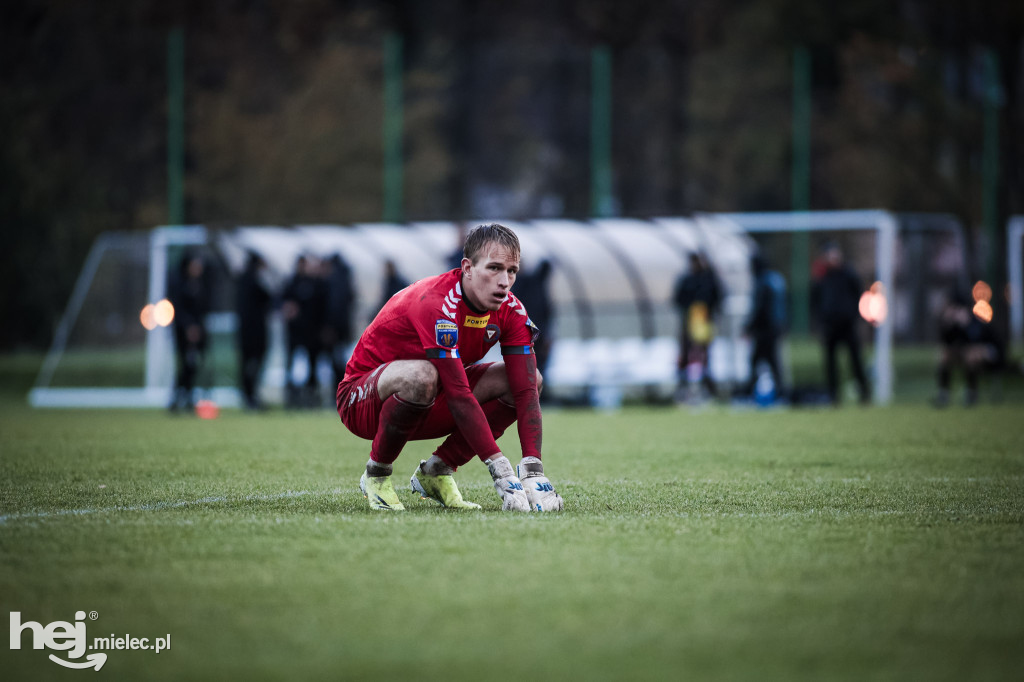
(539, 491)
(508, 485)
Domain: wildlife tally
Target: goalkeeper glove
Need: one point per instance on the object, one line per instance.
(539, 491)
(508, 485)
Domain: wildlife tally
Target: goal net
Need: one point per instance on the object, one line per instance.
(908, 264)
(104, 353)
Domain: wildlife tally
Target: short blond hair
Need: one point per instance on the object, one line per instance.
(482, 235)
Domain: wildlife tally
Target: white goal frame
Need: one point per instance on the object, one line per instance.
(1015, 272)
(159, 376)
(885, 226)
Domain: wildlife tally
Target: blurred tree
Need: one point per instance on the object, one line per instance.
(81, 150)
(283, 114)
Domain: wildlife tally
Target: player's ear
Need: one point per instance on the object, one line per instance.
(466, 265)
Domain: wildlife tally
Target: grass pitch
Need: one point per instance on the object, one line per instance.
(852, 544)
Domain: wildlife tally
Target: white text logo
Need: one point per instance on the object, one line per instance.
(71, 637)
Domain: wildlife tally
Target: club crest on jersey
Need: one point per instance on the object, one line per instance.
(447, 333)
(493, 333)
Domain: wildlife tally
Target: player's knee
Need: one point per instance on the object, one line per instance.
(421, 384)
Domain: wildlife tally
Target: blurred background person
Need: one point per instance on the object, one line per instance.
(765, 326)
(835, 300)
(533, 289)
(968, 342)
(697, 296)
(303, 304)
(340, 303)
(252, 304)
(393, 282)
(454, 259)
(189, 293)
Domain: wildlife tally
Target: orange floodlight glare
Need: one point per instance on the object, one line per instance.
(983, 311)
(981, 291)
(873, 305)
(146, 317)
(163, 313)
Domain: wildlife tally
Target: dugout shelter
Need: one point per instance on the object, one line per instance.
(614, 326)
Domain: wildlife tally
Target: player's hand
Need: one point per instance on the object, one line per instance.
(513, 497)
(542, 495)
(539, 491)
(508, 485)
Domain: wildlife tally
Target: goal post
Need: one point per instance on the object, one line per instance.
(884, 225)
(160, 340)
(101, 356)
(1015, 271)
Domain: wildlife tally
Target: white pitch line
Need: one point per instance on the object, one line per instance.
(157, 506)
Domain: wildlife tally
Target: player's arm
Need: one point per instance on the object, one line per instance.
(466, 411)
(521, 369)
(472, 422)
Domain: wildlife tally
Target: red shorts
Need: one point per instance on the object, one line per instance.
(359, 405)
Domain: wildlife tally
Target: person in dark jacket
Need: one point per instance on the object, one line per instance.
(533, 290)
(697, 295)
(835, 300)
(303, 304)
(189, 293)
(767, 323)
(970, 342)
(393, 283)
(252, 303)
(338, 317)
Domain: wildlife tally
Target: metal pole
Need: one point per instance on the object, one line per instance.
(601, 204)
(885, 258)
(393, 128)
(990, 165)
(176, 126)
(1015, 268)
(800, 188)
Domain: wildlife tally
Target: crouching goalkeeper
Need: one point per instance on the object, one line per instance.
(411, 377)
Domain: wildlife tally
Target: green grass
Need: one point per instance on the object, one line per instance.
(914, 372)
(119, 367)
(853, 544)
(102, 367)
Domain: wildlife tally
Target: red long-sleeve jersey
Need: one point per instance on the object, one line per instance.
(430, 320)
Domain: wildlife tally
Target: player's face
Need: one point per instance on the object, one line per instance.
(485, 284)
